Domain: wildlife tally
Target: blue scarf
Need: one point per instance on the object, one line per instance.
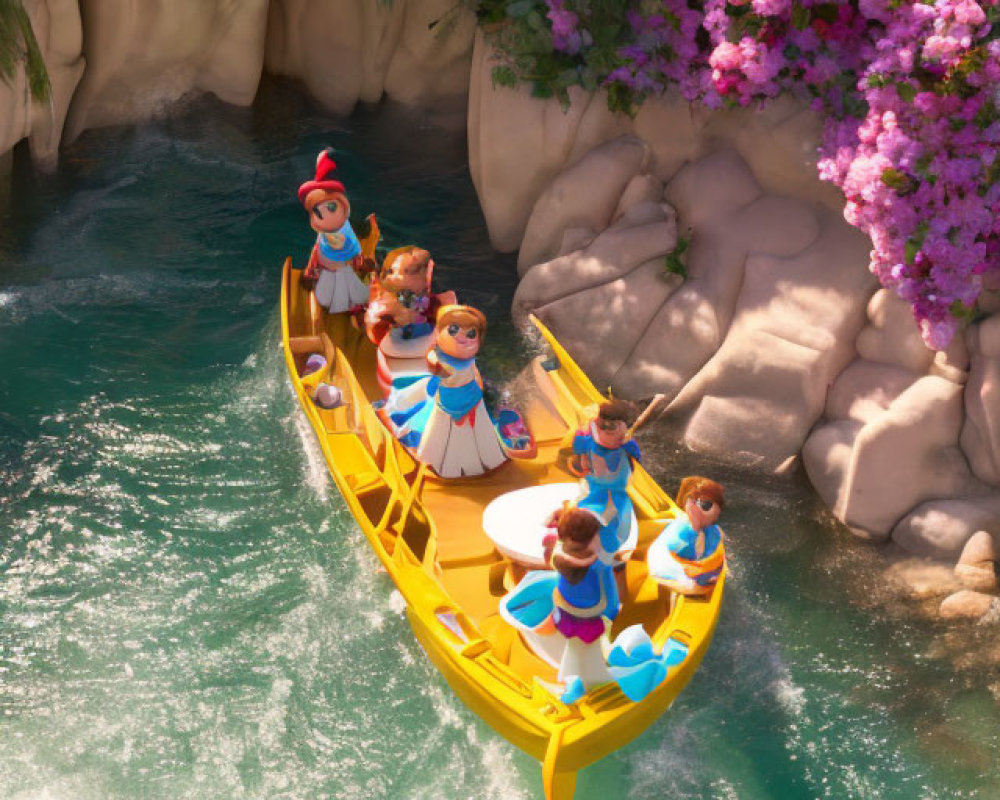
(459, 400)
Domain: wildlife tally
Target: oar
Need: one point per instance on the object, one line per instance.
(647, 413)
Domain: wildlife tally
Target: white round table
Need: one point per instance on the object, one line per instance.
(515, 521)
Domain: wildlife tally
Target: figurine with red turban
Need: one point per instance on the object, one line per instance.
(337, 252)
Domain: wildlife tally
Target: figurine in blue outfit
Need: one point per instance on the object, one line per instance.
(337, 252)
(579, 601)
(688, 556)
(604, 456)
(442, 416)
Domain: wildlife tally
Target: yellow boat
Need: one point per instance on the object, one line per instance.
(428, 533)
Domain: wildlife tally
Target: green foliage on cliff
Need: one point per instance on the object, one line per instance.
(530, 49)
(19, 47)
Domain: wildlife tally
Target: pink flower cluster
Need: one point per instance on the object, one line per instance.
(910, 90)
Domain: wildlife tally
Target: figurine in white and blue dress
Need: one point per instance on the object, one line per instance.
(688, 556)
(578, 600)
(604, 455)
(337, 252)
(441, 417)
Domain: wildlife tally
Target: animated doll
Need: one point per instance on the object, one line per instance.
(688, 556)
(442, 416)
(605, 454)
(337, 252)
(579, 601)
(402, 303)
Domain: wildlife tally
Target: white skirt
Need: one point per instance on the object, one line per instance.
(453, 450)
(340, 290)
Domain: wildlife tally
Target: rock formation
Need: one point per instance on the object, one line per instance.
(58, 29)
(133, 60)
(143, 56)
(415, 51)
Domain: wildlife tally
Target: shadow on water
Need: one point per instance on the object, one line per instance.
(188, 610)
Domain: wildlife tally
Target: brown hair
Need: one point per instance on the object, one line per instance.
(695, 486)
(467, 316)
(410, 251)
(615, 410)
(576, 530)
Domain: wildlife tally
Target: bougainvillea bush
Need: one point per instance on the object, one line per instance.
(909, 91)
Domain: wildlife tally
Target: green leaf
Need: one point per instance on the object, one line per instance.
(675, 266)
(906, 92)
(961, 311)
(896, 179)
(519, 9)
(504, 76)
(542, 90)
(800, 17)
(911, 250)
(19, 47)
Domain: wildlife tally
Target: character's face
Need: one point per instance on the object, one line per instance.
(610, 433)
(330, 214)
(406, 273)
(459, 341)
(702, 512)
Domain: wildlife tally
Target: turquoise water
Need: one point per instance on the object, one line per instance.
(188, 611)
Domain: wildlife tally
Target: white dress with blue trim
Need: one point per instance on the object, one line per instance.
(445, 421)
(338, 287)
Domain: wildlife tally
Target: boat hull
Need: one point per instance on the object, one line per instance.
(428, 534)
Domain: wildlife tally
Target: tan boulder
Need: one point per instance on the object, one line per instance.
(712, 187)
(826, 456)
(144, 56)
(952, 363)
(356, 50)
(609, 313)
(922, 578)
(942, 528)
(892, 337)
(980, 440)
(866, 389)
(789, 339)
(585, 194)
(673, 131)
(430, 61)
(518, 144)
(902, 457)
(59, 32)
(967, 604)
(979, 551)
(642, 190)
(696, 317)
(611, 256)
(977, 566)
(779, 143)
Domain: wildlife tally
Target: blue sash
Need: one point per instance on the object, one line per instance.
(350, 248)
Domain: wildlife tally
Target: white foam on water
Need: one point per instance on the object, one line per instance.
(315, 468)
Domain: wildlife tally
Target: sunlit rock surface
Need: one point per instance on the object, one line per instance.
(517, 144)
(758, 328)
(981, 433)
(414, 51)
(58, 29)
(905, 449)
(967, 604)
(143, 56)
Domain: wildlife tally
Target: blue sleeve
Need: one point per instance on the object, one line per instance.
(632, 448)
(610, 593)
(674, 535)
(583, 443)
